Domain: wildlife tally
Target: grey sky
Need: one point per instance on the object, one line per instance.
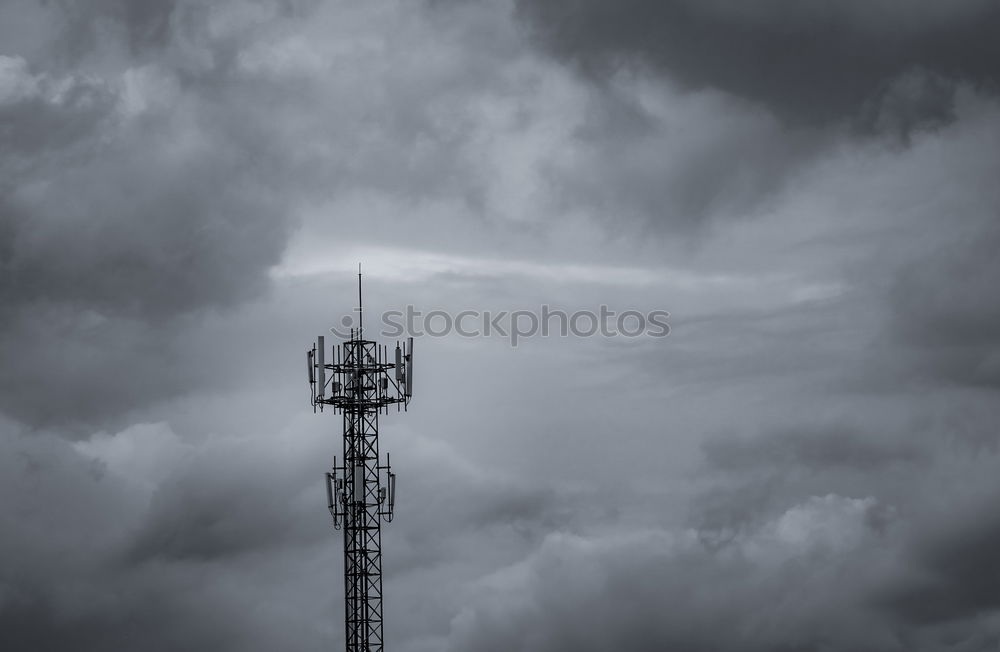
(808, 462)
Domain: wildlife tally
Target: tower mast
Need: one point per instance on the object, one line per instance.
(361, 491)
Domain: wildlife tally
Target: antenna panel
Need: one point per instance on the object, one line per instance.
(359, 483)
(321, 365)
(409, 367)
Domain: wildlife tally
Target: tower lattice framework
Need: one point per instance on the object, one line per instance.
(361, 382)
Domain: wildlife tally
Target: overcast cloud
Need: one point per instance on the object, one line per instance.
(808, 462)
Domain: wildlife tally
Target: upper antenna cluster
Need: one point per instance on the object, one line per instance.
(356, 376)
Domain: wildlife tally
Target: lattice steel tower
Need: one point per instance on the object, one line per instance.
(360, 382)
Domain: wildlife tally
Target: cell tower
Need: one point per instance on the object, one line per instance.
(360, 382)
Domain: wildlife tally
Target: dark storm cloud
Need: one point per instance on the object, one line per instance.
(140, 233)
(954, 573)
(712, 157)
(214, 509)
(943, 547)
(653, 591)
(755, 476)
(811, 557)
(811, 448)
(79, 525)
(139, 616)
(797, 78)
(944, 314)
(146, 23)
(43, 116)
(770, 593)
(809, 61)
(914, 101)
(126, 207)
